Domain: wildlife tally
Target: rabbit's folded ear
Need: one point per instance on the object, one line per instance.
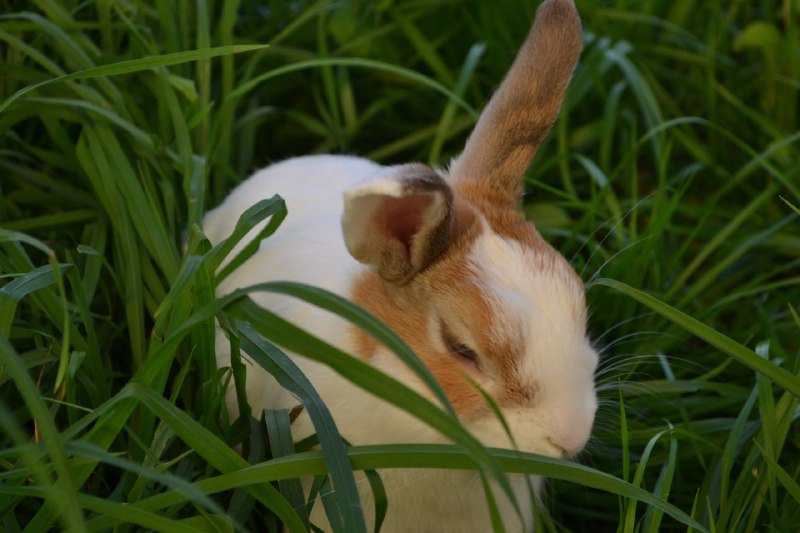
(399, 221)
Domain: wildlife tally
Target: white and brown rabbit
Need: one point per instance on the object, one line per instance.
(446, 259)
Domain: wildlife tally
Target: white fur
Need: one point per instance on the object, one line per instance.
(534, 298)
(380, 184)
(307, 248)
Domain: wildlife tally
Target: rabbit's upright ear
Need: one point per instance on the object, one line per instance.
(399, 221)
(519, 115)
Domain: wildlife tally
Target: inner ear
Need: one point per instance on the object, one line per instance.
(402, 218)
(399, 221)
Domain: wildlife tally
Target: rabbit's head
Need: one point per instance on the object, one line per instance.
(469, 284)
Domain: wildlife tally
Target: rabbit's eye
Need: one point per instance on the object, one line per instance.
(456, 348)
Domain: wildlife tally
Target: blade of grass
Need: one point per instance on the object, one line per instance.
(418, 456)
(210, 447)
(64, 497)
(134, 65)
(352, 62)
(664, 485)
(275, 208)
(281, 445)
(725, 344)
(11, 293)
(348, 515)
(445, 127)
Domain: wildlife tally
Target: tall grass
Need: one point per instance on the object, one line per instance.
(671, 180)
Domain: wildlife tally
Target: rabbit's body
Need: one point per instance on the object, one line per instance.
(305, 249)
(446, 259)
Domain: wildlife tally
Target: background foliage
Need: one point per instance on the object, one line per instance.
(671, 180)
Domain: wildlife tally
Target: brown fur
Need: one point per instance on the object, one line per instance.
(371, 292)
(521, 112)
(445, 289)
(515, 122)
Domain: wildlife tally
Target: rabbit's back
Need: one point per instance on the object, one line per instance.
(307, 248)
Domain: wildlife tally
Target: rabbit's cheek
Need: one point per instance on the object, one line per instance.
(452, 376)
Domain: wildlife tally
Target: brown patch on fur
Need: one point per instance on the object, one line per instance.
(406, 309)
(408, 318)
(446, 289)
(506, 222)
(517, 393)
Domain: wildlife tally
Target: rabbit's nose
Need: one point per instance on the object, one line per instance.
(569, 432)
(568, 443)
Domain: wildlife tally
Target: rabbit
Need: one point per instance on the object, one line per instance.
(447, 260)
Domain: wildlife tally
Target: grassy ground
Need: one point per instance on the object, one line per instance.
(671, 180)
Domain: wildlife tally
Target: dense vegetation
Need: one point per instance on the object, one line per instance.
(671, 180)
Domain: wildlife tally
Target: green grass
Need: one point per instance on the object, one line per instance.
(671, 180)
